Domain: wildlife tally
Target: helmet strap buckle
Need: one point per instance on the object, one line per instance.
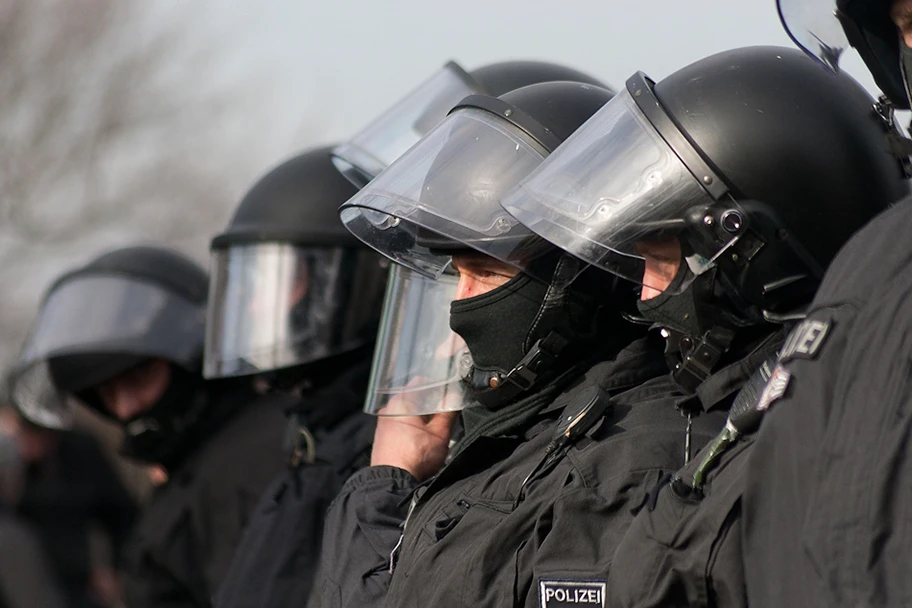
(698, 364)
(541, 356)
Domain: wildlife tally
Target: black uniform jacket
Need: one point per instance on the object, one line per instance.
(470, 541)
(67, 494)
(186, 537)
(277, 560)
(684, 546)
(828, 502)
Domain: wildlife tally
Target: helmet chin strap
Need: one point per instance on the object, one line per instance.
(545, 341)
(695, 340)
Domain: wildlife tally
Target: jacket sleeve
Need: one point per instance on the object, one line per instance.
(363, 526)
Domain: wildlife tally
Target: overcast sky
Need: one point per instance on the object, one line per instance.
(344, 61)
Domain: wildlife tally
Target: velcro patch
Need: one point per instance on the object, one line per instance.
(775, 387)
(557, 594)
(805, 340)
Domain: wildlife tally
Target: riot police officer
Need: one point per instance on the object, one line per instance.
(561, 396)
(123, 334)
(725, 190)
(827, 497)
(294, 303)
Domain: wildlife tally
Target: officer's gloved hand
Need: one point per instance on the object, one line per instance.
(418, 444)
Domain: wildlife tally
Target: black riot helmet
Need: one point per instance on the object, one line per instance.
(825, 29)
(757, 162)
(443, 197)
(385, 139)
(115, 313)
(290, 286)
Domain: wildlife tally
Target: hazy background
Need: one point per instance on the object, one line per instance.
(126, 121)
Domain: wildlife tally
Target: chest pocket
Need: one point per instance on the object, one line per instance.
(451, 516)
(456, 521)
(460, 556)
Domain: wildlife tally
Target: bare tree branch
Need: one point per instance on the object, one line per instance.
(110, 133)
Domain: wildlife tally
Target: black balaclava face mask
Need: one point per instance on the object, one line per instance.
(675, 308)
(686, 312)
(496, 327)
(693, 311)
(160, 435)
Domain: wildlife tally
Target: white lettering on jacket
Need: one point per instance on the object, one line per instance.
(562, 593)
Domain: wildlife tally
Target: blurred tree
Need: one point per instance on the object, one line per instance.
(100, 114)
(120, 122)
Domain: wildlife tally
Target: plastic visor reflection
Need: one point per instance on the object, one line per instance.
(422, 395)
(420, 363)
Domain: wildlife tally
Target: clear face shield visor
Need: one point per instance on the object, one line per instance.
(618, 196)
(419, 362)
(34, 396)
(814, 26)
(447, 189)
(824, 29)
(385, 139)
(277, 305)
(87, 318)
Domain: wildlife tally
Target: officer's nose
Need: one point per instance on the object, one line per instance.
(122, 402)
(468, 287)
